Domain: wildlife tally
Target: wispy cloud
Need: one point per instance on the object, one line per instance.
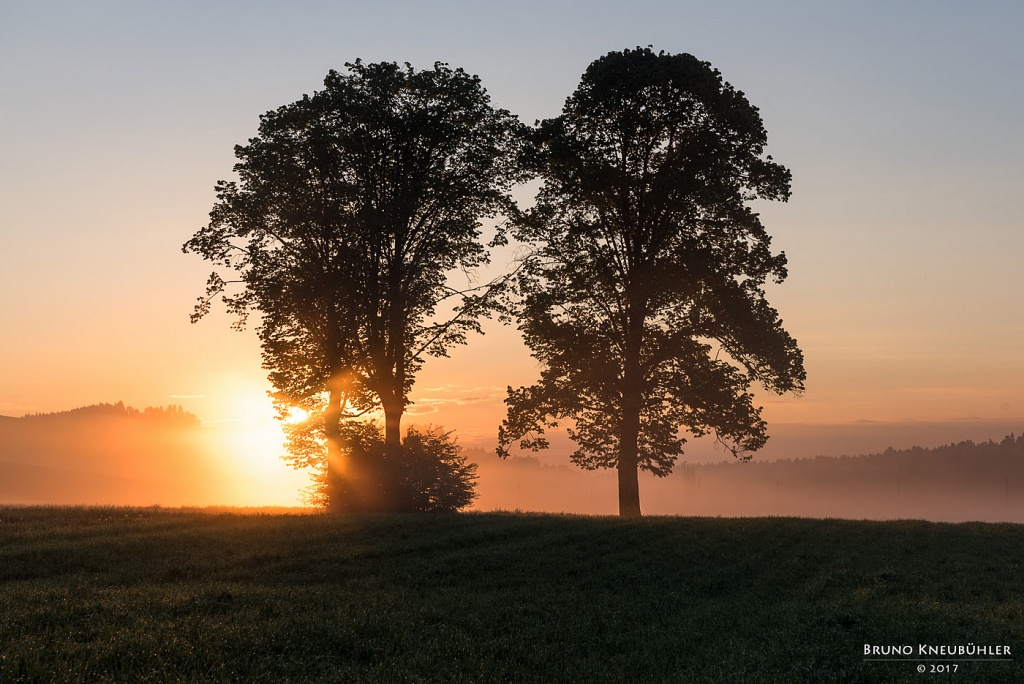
(456, 396)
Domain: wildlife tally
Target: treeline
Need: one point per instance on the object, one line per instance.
(966, 463)
(956, 482)
(171, 414)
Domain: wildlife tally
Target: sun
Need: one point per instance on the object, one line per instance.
(296, 415)
(250, 442)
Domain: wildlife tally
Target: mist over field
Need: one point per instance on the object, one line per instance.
(966, 482)
(876, 471)
(113, 455)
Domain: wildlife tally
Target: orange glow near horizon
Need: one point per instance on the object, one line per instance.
(846, 409)
(250, 441)
(253, 450)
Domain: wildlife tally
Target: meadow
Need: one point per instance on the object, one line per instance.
(178, 595)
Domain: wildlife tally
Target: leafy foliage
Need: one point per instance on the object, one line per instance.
(429, 473)
(643, 298)
(351, 208)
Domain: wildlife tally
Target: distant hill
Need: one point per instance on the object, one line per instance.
(956, 482)
(170, 415)
(109, 454)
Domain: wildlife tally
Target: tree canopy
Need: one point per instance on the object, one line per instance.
(643, 298)
(351, 208)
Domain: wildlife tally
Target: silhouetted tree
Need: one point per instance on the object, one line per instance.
(643, 299)
(351, 208)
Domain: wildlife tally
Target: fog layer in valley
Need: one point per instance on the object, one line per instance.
(113, 455)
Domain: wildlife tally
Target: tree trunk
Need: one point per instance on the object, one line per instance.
(393, 396)
(392, 426)
(632, 401)
(336, 489)
(629, 484)
(391, 496)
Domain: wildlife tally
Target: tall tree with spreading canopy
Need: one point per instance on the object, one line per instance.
(351, 208)
(643, 297)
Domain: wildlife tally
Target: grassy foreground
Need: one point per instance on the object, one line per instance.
(137, 595)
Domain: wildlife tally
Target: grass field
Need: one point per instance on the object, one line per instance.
(138, 595)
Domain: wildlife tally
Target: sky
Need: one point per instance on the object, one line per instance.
(899, 121)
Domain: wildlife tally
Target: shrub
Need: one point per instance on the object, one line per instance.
(431, 473)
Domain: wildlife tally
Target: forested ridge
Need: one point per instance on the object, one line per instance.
(960, 481)
(967, 461)
(169, 414)
(111, 454)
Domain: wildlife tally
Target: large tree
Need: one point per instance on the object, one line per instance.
(643, 298)
(351, 208)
